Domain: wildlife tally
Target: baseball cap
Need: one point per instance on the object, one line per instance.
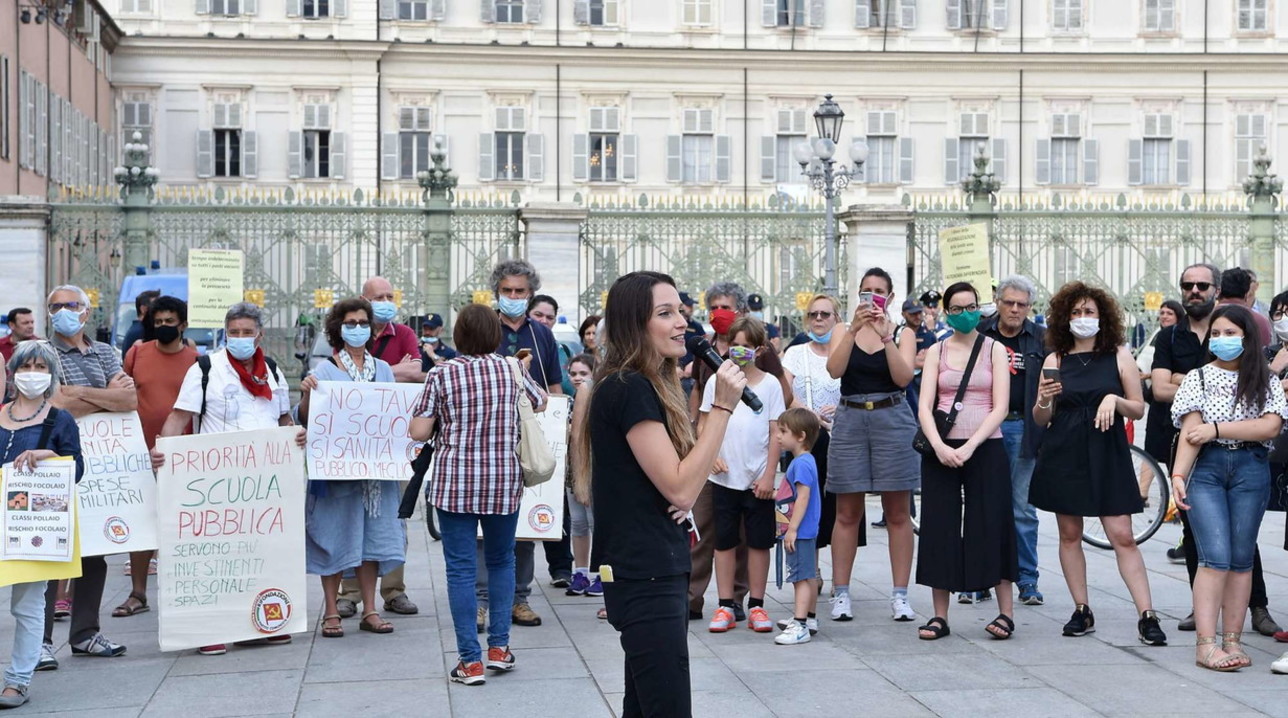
(930, 298)
(913, 306)
(755, 302)
(686, 300)
(433, 321)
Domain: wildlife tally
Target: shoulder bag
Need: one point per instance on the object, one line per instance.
(535, 457)
(944, 420)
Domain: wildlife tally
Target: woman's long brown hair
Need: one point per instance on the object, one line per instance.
(627, 347)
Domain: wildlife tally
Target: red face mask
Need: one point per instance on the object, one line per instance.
(721, 320)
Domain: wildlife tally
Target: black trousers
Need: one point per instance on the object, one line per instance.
(87, 597)
(652, 618)
(559, 553)
(1257, 599)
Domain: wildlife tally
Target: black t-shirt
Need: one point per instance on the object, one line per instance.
(1015, 359)
(633, 532)
(1176, 349)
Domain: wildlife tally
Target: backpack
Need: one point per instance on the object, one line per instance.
(203, 361)
(784, 503)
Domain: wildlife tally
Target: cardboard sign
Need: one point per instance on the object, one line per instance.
(231, 525)
(216, 280)
(359, 431)
(964, 256)
(39, 517)
(541, 512)
(118, 494)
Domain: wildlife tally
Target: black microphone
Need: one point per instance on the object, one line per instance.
(701, 348)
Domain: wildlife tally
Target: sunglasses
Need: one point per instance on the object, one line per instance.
(1202, 286)
(55, 307)
(357, 325)
(820, 315)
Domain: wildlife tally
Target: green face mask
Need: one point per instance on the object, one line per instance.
(964, 323)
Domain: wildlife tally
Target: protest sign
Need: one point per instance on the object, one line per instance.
(964, 255)
(215, 282)
(541, 511)
(359, 431)
(118, 494)
(39, 516)
(231, 529)
(27, 571)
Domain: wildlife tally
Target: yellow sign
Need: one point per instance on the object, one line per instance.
(323, 298)
(964, 254)
(13, 572)
(216, 278)
(482, 296)
(603, 300)
(93, 298)
(254, 296)
(802, 301)
(1153, 301)
(398, 297)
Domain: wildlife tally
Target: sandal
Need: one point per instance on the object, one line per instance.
(382, 627)
(1232, 644)
(1218, 664)
(336, 631)
(1001, 628)
(602, 613)
(125, 609)
(937, 627)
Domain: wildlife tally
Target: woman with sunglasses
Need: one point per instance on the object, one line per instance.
(1089, 385)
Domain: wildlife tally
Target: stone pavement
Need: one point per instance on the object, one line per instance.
(572, 664)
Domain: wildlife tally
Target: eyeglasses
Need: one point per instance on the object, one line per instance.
(820, 315)
(1009, 304)
(954, 310)
(1202, 286)
(55, 307)
(357, 325)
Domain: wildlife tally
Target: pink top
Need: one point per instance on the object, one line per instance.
(978, 401)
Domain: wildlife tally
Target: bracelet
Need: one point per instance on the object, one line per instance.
(887, 339)
(1217, 428)
(1044, 406)
(1178, 476)
(722, 408)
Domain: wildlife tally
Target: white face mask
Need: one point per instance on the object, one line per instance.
(1281, 329)
(1085, 327)
(32, 383)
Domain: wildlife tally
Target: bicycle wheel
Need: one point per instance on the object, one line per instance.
(1154, 488)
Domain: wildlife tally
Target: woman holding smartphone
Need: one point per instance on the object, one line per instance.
(1090, 383)
(646, 471)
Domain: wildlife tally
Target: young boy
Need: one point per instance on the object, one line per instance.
(797, 431)
(742, 491)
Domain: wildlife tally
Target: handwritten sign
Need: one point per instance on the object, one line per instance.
(964, 254)
(215, 283)
(231, 525)
(118, 494)
(359, 431)
(39, 516)
(541, 511)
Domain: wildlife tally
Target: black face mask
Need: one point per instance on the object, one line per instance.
(166, 334)
(1200, 311)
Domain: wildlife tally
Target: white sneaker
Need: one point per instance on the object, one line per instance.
(900, 608)
(810, 623)
(1280, 666)
(841, 608)
(792, 635)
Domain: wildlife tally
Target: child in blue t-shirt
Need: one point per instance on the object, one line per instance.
(797, 431)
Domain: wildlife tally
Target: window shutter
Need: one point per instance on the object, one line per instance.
(952, 173)
(1091, 162)
(389, 9)
(203, 7)
(1043, 174)
(1000, 14)
(438, 10)
(954, 14)
(487, 8)
(338, 154)
(581, 12)
(42, 129)
(862, 13)
(724, 158)
(205, 153)
(56, 141)
(999, 160)
(908, 14)
(769, 159)
(249, 7)
(324, 117)
(630, 158)
(1182, 162)
(580, 157)
(905, 160)
(389, 156)
(295, 155)
(769, 13)
(532, 12)
(1135, 161)
(250, 155)
(674, 166)
(817, 10)
(534, 147)
(293, 8)
(339, 8)
(487, 156)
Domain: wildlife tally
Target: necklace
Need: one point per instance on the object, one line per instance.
(1084, 362)
(28, 418)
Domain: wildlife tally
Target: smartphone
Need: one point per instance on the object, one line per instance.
(523, 354)
(866, 297)
(879, 300)
(1052, 374)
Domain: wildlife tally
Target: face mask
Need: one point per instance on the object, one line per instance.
(759, 315)
(824, 339)
(987, 310)
(166, 334)
(1199, 311)
(429, 340)
(242, 348)
(32, 383)
(1281, 329)
(742, 356)
(1085, 327)
(964, 323)
(384, 311)
(68, 323)
(355, 336)
(721, 320)
(1226, 348)
(512, 308)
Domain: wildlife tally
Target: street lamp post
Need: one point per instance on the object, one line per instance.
(826, 176)
(136, 178)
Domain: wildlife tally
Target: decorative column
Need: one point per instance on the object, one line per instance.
(1263, 189)
(136, 179)
(436, 186)
(553, 231)
(24, 244)
(877, 236)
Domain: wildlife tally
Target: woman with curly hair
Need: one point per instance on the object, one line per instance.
(1090, 384)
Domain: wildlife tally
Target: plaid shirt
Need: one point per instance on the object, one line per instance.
(476, 461)
(93, 365)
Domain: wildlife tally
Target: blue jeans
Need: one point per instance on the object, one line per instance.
(27, 605)
(1228, 492)
(460, 532)
(1026, 517)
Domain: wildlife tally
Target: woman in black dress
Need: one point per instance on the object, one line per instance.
(1090, 384)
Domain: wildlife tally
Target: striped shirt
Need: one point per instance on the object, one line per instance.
(476, 461)
(93, 365)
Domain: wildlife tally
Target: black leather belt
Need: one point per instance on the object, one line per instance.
(892, 400)
(1237, 445)
(1015, 416)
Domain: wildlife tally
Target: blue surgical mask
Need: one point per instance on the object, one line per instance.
(1226, 348)
(355, 336)
(68, 323)
(512, 308)
(384, 311)
(824, 339)
(242, 348)
(759, 315)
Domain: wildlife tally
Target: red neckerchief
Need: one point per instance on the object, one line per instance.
(255, 381)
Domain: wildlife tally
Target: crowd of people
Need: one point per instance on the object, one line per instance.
(986, 410)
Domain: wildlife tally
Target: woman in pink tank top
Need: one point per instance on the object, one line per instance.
(967, 531)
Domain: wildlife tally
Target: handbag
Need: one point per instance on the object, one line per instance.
(535, 457)
(944, 420)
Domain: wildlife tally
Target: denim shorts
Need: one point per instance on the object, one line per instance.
(801, 564)
(1227, 493)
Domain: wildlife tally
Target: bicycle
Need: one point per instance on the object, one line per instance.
(1154, 488)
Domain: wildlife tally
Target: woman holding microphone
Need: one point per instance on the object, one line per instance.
(646, 470)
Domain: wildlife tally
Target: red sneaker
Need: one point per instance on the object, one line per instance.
(1281, 636)
(500, 659)
(217, 649)
(471, 674)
